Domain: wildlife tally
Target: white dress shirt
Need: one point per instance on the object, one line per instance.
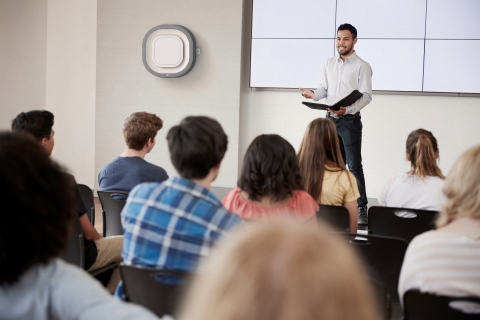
(339, 78)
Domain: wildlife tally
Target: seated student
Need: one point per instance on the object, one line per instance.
(280, 270)
(37, 201)
(173, 224)
(130, 168)
(99, 251)
(326, 176)
(421, 187)
(270, 183)
(446, 261)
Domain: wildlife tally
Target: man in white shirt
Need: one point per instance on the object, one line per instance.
(341, 75)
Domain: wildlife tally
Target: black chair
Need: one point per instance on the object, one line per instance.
(382, 298)
(112, 225)
(400, 222)
(75, 251)
(383, 255)
(336, 216)
(141, 286)
(426, 306)
(88, 201)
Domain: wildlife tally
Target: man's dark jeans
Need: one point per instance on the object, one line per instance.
(349, 128)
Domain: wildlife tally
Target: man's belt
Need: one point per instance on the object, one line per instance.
(345, 116)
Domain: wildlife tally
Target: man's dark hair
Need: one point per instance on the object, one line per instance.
(349, 27)
(196, 145)
(38, 123)
(270, 168)
(36, 206)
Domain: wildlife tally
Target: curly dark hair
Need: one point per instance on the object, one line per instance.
(270, 168)
(39, 123)
(196, 145)
(36, 206)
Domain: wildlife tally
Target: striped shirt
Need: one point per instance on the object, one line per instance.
(442, 263)
(172, 225)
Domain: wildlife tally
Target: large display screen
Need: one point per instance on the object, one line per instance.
(412, 45)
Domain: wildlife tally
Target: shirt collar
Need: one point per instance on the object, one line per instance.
(350, 58)
(195, 189)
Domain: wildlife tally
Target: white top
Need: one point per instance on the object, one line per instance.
(442, 263)
(59, 290)
(339, 78)
(409, 191)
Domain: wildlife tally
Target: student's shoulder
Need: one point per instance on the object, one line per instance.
(304, 199)
(112, 164)
(154, 167)
(144, 189)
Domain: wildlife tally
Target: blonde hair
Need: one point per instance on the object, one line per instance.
(280, 270)
(462, 188)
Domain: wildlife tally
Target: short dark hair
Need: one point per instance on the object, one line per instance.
(349, 27)
(139, 127)
(196, 145)
(38, 123)
(37, 205)
(270, 168)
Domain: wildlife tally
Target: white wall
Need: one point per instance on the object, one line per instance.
(92, 76)
(124, 85)
(387, 121)
(23, 49)
(70, 84)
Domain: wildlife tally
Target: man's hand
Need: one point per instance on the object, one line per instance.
(306, 93)
(339, 112)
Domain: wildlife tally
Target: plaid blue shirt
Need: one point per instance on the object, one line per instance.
(171, 225)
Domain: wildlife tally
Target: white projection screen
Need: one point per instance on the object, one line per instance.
(412, 45)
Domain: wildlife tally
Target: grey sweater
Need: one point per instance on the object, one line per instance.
(59, 290)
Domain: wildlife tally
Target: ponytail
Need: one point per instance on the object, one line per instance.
(422, 147)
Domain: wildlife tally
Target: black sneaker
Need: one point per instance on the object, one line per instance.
(362, 215)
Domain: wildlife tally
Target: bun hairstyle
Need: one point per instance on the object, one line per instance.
(423, 150)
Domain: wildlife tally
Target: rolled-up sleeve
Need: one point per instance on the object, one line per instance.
(321, 91)
(365, 87)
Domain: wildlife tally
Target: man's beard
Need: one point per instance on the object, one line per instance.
(346, 52)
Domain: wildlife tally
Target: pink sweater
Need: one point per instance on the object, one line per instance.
(302, 206)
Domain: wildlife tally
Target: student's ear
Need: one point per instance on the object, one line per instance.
(150, 144)
(407, 155)
(43, 142)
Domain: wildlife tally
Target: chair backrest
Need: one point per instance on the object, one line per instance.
(426, 306)
(112, 225)
(75, 251)
(400, 222)
(158, 290)
(383, 255)
(336, 216)
(88, 201)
